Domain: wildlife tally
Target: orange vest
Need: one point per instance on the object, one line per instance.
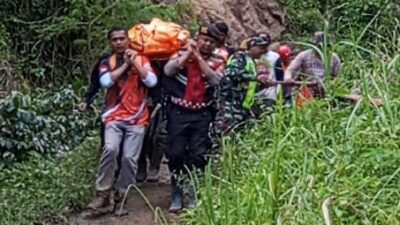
(126, 99)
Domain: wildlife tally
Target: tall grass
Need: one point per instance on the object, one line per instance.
(281, 170)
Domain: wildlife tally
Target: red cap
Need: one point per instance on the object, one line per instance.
(284, 51)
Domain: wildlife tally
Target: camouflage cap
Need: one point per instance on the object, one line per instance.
(257, 41)
(265, 36)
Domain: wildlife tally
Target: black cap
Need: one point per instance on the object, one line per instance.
(210, 30)
(222, 27)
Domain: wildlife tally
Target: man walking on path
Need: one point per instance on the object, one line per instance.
(192, 75)
(126, 76)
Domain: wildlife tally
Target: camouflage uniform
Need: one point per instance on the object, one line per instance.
(236, 93)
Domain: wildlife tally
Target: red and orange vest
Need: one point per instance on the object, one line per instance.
(126, 99)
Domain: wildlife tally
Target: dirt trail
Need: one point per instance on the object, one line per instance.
(158, 195)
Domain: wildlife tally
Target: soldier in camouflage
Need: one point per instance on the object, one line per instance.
(238, 87)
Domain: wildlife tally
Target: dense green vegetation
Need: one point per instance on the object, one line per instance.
(51, 42)
(45, 190)
(348, 19)
(46, 124)
(284, 168)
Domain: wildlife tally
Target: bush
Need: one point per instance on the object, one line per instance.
(40, 189)
(46, 124)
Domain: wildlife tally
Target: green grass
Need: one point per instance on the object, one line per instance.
(40, 190)
(282, 169)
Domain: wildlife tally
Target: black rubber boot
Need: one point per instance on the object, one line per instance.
(141, 172)
(176, 196)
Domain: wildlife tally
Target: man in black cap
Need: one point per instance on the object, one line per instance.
(191, 76)
(269, 64)
(223, 49)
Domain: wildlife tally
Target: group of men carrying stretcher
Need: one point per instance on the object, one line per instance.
(203, 91)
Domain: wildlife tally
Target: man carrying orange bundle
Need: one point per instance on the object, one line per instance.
(126, 76)
(191, 76)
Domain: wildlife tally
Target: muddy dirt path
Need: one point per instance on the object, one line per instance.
(140, 213)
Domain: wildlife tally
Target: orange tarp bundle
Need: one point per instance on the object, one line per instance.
(158, 39)
(305, 95)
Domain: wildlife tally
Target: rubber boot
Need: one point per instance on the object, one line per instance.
(176, 196)
(141, 173)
